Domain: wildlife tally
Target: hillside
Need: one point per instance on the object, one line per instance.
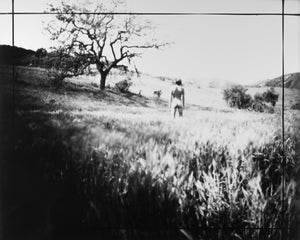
(25, 57)
(87, 161)
(13, 55)
(291, 80)
(95, 160)
(143, 85)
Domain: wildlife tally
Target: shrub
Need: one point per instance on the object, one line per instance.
(266, 101)
(296, 106)
(41, 52)
(270, 96)
(123, 85)
(258, 97)
(56, 77)
(260, 106)
(237, 97)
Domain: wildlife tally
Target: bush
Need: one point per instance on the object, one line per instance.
(41, 52)
(296, 106)
(123, 85)
(56, 77)
(60, 64)
(260, 106)
(270, 96)
(258, 97)
(237, 97)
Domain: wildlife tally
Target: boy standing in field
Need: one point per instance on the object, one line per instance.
(177, 99)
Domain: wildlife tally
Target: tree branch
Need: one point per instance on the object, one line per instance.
(157, 46)
(86, 36)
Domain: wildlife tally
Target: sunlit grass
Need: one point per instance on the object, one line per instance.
(138, 167)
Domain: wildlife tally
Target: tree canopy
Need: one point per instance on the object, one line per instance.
(95, 32)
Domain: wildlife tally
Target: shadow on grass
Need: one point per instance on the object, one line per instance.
(52, 190)
(54, 185)
(109, 95)
(31, 96)
(57, 187)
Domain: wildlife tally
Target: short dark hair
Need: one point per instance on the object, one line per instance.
(178, 82)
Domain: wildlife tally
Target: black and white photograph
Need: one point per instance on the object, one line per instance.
(141, 120)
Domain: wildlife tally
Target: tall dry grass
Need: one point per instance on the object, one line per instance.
(216, 175)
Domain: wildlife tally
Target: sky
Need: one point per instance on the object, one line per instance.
(243, 49)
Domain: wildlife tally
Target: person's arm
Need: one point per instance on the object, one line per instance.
(171, 98)
(183, 98)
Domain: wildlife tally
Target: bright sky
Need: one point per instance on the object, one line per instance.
(243, 49)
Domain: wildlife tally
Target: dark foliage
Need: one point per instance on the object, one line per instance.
(123, 86)
(258, 97)
(41, 52)
(266, 101)
(237, 97)
(270, 96)
(261, 106)
(60, 64)
(296, 106)
(13, 55)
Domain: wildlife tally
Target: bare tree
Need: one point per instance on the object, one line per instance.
(100, 36)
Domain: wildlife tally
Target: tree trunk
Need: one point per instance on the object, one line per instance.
(102, 81)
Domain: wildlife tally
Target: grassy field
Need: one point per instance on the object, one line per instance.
(117, 165)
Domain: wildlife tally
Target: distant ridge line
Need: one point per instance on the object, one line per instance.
(291, 80)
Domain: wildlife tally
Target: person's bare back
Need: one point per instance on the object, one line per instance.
(177, 100)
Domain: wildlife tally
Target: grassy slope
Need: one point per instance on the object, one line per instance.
(206, 116)
(203, 98)
(139, 132)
